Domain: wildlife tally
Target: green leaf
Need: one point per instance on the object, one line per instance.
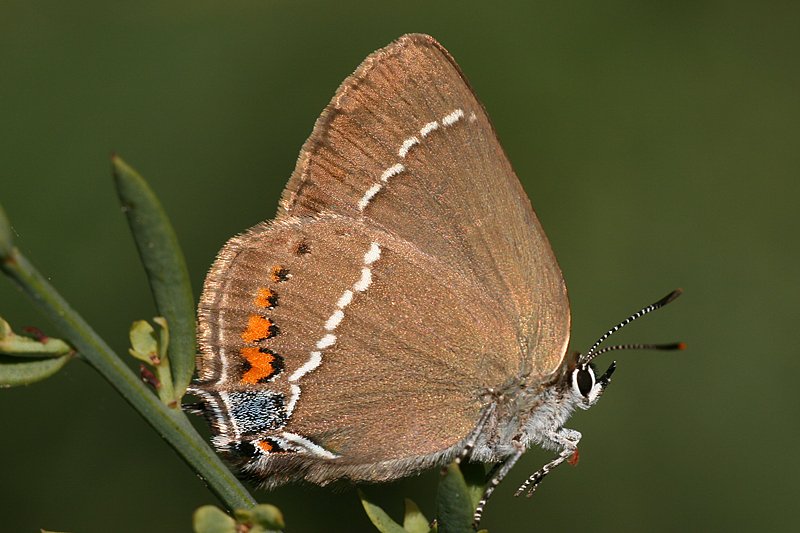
(15, 372)
(144, 345)
(163, 337)
(210, 519)
(165, 267)
(453, 503)
(475, 478)
(21, 346)
(262, 517)
(382, 521)
(6, 235)
(152, 349)
(414, 521)
(40, 359)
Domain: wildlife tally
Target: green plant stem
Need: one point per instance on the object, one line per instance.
(170, 423)
(165, 392)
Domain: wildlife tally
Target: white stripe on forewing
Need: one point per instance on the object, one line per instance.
(453, 117)
(372, 255)
(334, 320)
(404, 149)
(428, 128)
(407, 145)
(392, 171)
(369, 195)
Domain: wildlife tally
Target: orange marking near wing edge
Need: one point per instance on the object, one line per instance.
(265, 298)
(278, 274)
(265, 446)
(258, 327)
(261, 365)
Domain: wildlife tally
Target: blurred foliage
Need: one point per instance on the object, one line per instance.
(260, 519)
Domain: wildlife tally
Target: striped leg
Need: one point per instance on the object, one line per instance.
(499, 474)
(568, 440)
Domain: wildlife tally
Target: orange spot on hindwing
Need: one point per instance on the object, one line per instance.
(266, 298)
(278, 274)
(259, 328)
(262, 364)
(248, 449)
(270, 446)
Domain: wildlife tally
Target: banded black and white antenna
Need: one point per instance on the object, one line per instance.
(593, 352)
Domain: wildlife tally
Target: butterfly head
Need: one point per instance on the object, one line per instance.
(586, 385)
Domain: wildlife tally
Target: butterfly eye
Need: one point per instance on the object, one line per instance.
(583, 380)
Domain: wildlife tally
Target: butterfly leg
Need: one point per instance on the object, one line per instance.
(568, 440)
(498, 474)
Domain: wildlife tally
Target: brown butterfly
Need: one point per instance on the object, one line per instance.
(404, 308)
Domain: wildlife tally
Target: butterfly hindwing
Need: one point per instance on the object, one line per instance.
(313, 331)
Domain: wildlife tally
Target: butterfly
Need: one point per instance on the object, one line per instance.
(404, 308)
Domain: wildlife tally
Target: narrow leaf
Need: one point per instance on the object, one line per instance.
(454, 507)
(21, 346)
(475, 478)
(413, 520)
(165, 266)
(382, 521)
(15, 372)
(6, 236)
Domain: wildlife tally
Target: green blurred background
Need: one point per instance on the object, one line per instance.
(657, 140)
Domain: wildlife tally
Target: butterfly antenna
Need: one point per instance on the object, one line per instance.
(594, 352)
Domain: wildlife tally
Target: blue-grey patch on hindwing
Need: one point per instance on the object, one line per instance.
(255, 411)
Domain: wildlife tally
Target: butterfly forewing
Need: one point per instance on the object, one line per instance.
(406, 146)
